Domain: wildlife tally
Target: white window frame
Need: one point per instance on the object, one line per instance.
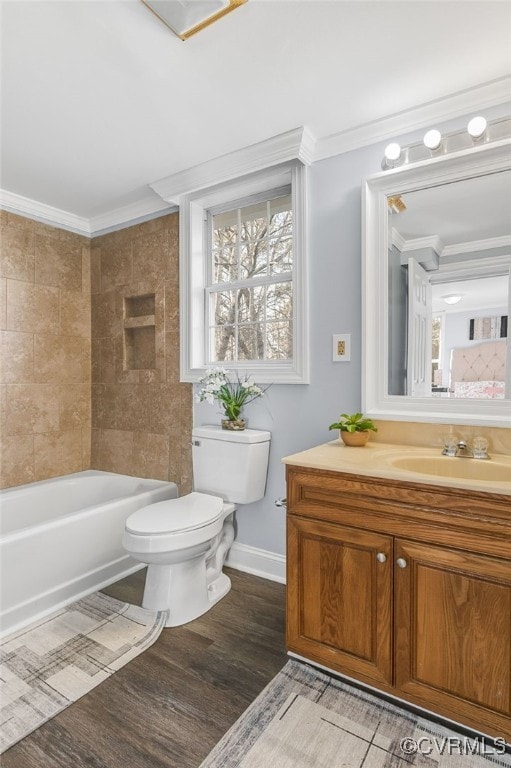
(194, 261)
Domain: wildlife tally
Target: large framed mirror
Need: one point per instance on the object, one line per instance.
(437, 289)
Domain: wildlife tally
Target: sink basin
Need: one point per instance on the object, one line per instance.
(465, 469)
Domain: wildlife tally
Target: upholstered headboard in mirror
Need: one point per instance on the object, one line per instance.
(479, 370)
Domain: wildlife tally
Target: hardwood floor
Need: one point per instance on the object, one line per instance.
(170, 705)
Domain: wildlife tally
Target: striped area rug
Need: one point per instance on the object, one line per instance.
(306, 718)
(52, 663)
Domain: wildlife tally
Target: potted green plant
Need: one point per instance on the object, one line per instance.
(354, 428)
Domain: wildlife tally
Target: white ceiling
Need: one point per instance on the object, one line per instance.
(99, 98)
(483, 293)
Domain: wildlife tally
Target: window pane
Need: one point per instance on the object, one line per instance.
(251, 342)
(279, 341)
(223, 307)
(436, 331)
(253, 259)
(254, 221)
(281, 255)
(279, 302)
(250, 304)
(225, 265)
(225, 229)
(281, 217)
(224, 341)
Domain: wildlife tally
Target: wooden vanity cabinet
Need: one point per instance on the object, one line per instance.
(404, 587)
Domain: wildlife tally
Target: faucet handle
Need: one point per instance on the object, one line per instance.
(450, 445)
(480, 448)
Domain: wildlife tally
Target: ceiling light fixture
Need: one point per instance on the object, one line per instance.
(452, 298)
(477, 127)
(477, 132)
(432, 139)
(392, 155)
(187, 17)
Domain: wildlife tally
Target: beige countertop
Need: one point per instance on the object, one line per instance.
(383, 460)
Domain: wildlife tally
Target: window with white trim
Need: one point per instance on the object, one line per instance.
(249, 291)
(244, 278)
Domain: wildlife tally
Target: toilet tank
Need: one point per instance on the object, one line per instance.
(230, 464)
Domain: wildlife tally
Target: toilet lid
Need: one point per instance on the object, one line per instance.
(187, 513)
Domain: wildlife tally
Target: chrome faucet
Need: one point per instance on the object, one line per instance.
(463, 451)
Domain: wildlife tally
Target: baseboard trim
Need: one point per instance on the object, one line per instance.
(259, 562)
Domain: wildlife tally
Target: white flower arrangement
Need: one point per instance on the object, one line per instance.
(232, 396)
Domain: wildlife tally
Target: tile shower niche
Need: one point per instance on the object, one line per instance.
(139, 332)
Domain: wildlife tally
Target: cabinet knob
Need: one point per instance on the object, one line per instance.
(381, 557)
(401, 562)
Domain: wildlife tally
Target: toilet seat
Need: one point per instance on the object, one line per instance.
(175, 516)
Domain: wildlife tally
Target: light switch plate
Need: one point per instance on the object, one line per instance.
(341, 347)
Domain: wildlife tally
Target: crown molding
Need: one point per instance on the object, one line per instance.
(489, 243)
(491, 94)
(32, 209)
(119, 218)
(298, 144)
(128, 216)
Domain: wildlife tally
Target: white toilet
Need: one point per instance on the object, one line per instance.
(185, 541)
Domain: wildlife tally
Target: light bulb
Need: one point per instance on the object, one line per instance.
(432, 139)
(393, 151)
(477, 127)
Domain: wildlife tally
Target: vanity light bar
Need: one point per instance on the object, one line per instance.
(478, 131)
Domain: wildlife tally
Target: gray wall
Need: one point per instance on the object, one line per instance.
(298, 415)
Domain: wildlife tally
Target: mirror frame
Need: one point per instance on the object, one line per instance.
(376, 402)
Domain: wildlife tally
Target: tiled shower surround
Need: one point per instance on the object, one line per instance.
(50, 283)
(141, 413)
(46, 347)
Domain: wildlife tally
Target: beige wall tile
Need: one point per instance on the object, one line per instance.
(17, 257)
(16, 460)
(32, 308)
(151, 455)
(95, 449)
(151, 256)
(86, 270)
(86, 447)
(136, 407)
(116, 264)
(57, 453)
(58, 263)
(75, 406)
(104, 406)
(31, 409)
(111, 355)
(53, 404)
(95, 269)
(116, 452)
(16, 357)
(61, 359)
(133, 407)
(3, 304)
(107, 318)
(75, 313)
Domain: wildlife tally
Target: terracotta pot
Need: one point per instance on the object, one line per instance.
(355, 438)
(234, 424)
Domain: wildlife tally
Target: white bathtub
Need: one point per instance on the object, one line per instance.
(62, 538)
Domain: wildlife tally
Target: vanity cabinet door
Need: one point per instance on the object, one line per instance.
(453, 633)
(339, 593)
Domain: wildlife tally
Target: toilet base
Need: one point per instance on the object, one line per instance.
(182, 590)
